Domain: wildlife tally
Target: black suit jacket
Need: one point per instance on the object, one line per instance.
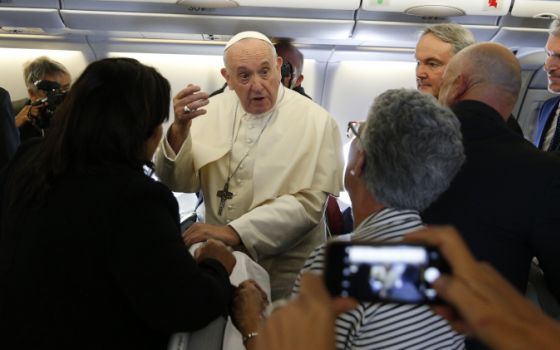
(504, 200)
(9, 136)
(102, 265)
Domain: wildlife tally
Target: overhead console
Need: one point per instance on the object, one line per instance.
(352, 23)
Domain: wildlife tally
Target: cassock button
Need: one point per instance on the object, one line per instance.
(239, 181)
(249, 140)
(251, 126)
(241, 166)
(230, 207)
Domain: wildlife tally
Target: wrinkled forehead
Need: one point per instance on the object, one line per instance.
(553, 44)
(430, 46)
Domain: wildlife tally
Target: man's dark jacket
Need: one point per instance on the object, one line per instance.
(504, 200)
(9, 136)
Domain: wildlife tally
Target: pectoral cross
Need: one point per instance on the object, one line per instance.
(224, 195)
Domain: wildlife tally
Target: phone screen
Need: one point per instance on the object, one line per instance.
(401, 273)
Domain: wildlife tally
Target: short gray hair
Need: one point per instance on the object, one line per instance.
(555, 28)
(39, 68)
(413, 149)
(455, 34)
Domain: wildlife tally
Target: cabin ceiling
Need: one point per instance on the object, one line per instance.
(344, 25)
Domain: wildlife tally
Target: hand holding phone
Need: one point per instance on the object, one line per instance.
(384, 272)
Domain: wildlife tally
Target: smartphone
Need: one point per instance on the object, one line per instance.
(384, 272)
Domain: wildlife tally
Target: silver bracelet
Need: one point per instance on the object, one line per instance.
(248, 337)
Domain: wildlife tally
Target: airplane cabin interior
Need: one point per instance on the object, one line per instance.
(354, 49)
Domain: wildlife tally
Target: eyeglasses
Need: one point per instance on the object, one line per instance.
(353, 130)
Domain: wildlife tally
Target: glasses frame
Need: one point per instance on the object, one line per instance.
(353, 128)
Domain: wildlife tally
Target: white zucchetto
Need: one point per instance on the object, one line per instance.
(247, 35)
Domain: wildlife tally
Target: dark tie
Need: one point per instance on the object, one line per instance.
(556, 137)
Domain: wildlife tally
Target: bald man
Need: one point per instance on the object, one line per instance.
(504, 227)
(264, 157)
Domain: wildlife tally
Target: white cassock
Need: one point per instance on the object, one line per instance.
(287, 160)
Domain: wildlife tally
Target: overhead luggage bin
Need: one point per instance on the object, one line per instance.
(310, 4)
(536, 9)
(205, 24)
(31, 15)
(46, 19)
(330, 21)
(440, 8)
(400, 30)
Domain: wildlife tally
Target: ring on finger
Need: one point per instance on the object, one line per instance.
(186, 109)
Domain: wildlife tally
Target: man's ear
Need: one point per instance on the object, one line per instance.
(225, 74)
(460, 85)
(299, 80)
(359, 163)
(279, 62)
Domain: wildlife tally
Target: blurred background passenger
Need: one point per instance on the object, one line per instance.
(292, 66)
(47, 82)
(91, 254)
(9, 136)
(400, 160)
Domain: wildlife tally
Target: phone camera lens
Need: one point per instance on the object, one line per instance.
(431, 274)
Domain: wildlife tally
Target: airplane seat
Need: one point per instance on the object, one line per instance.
(333, 217)
(538, 293)
(534, 97)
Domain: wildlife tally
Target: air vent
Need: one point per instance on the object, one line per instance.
(546, 16)
(216, 37)
(208, 3)
(434, 11)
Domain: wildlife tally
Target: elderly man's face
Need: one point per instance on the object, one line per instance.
(432, 55)
(253, 72)
(552, 63)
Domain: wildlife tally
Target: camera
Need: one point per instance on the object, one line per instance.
(384, 272)
(54, 97)
(287, 72)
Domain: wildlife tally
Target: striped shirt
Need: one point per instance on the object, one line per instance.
(387, 325)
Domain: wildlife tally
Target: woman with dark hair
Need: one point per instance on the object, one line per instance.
(90, 249)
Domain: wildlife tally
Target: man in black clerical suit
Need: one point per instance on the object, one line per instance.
(9, 136)
(503, 227)
(547, 136)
